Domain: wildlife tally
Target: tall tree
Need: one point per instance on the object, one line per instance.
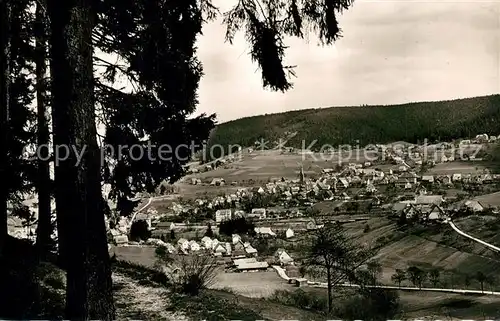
(330, 252)
(79, 202)
(481, 278)
(399, 276)
(5, 18)
(44, 184)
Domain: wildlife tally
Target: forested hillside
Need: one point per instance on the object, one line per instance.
(443, 120)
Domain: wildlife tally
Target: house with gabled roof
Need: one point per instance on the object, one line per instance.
(436, 213)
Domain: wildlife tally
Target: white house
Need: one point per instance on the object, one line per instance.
(206, 242)
(289, 233)
(283, 257)
(428, 178)
(264, 231)
(236, 238)
(259, 213)
(183, 244)
(222, 215)
(220, 248)
(194, 246)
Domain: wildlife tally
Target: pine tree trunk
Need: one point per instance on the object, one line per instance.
(4, 113)
(77, 185)
(330, 289)
(44, 211)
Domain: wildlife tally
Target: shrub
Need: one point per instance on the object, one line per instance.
(139, 231)
(188, 274)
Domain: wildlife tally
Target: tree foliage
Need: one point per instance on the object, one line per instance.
(444, 120)
(333, 254)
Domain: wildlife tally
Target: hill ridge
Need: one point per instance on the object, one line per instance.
(412, 122)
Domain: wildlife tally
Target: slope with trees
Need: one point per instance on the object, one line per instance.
(412, 122)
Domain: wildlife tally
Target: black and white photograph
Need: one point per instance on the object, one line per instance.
(249, 160)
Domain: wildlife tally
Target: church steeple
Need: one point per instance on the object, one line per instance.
(301, 175)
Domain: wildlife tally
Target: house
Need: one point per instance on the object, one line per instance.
(421, 190)
(467, 205)
(445, 179)
(239, 214)
(206, 242)
(217, 182)
(289, 233)
(428, 179)
(183, 244)
(249, 249)
(249, 266)
(264, 231)
(121, 239)
(311, 225)
(194, 246)
(228, 248)
(220, 248)
(436, 213)
(258, 213)
(343, 182)
(409, 176)
(236, 238)
(222, 215)
(410, 211)
(397, 208)
(170, 248)
(283, 257)
(457, 177)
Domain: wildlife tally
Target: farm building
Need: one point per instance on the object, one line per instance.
(264, 231)
(289, 233)
(222, 215)
(259, 213)
(283, 257)
(250, 264)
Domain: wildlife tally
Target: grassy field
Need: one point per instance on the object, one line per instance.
(439, 247)
(459, 167)
(251, 284)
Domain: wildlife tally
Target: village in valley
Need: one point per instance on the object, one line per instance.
(427, 214)
(250, 211)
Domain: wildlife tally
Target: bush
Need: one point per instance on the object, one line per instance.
(372, 304)
(301, 299)
(188, 274)
(139, 231)
(236, 226)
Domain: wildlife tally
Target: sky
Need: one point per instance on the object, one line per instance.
(391, 52)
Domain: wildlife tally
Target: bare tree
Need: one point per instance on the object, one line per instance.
(398, 277)
(189, 274)
(481, 278)
(416, 275)
(375, 269)
(330, 251)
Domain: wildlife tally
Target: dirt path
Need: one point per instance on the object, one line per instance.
(139, 302)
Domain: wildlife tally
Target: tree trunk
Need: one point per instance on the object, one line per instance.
(4, 113)
(77, 184)
(330, 289)
(44, 211)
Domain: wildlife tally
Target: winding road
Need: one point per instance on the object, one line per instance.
(139, 210)
(456, 229)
